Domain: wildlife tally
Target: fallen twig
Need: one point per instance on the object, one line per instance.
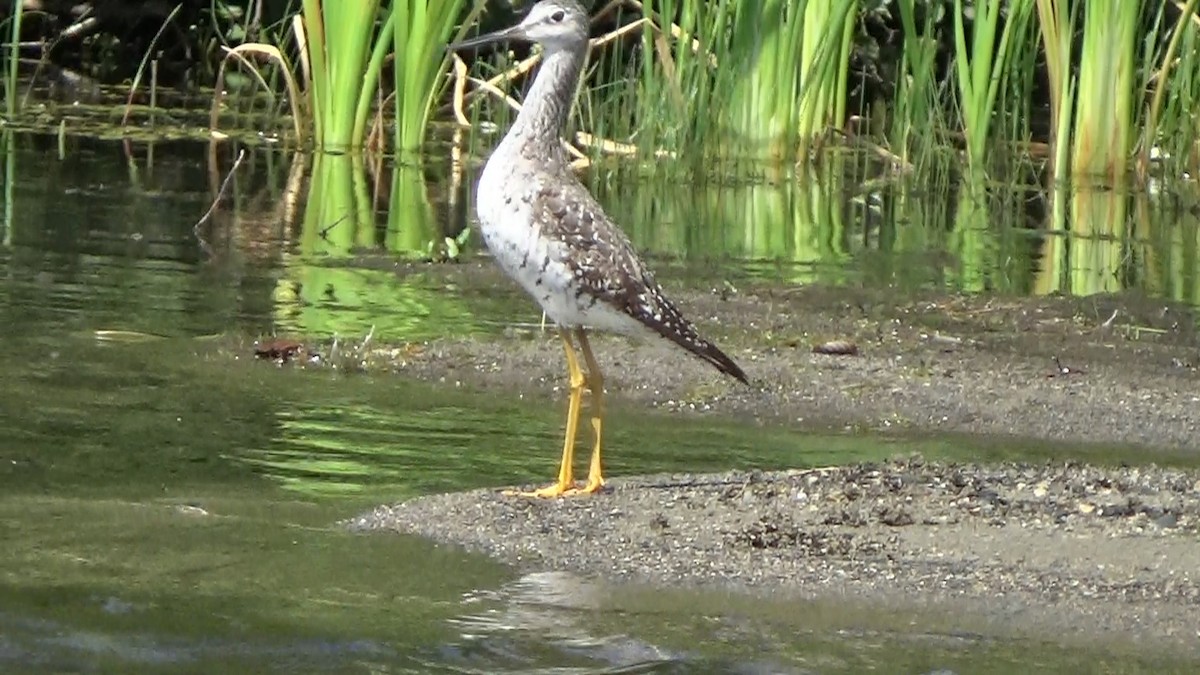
(217, 200)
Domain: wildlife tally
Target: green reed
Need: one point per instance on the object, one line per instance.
(1108, 87)
(660, 99)
(757, 80)
(419, 29)
(1169, 121)
(339, 40)
(743, 79)
(1056, 22)
(915, 112)
(681, 77)
(766, 61)
(828, 30)
(1015, 101)
(978, 67)
(788, 63)
(14, 55)
(343, 50)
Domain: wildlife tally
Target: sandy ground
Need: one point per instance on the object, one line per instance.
(1087, 549)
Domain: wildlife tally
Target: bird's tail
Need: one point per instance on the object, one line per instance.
(719, 359)
(679, 330)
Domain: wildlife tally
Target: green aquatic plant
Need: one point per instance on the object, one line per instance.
(1169, 118)
(342, 64)
(765, 69)
(419, 30)
(979, 64)
(346, 53)
(915, 113)
(13, 56)
(343, 48)
(1108, 87)
(745, 79)
(676, 77)
(1056, 24)
(1018, 110)
(827, 35)
(346, 76)
(786, 68)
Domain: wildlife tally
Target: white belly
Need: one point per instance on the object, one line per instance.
(536, 262)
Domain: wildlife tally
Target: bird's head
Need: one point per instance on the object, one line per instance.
(554, 24)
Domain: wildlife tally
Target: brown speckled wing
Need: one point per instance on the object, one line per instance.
(607, 269)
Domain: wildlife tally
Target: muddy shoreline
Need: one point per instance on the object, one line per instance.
(931, 361)
(1089, 550)
(1082, 551)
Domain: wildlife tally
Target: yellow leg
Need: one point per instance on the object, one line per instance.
(566, 480)
(595, 384)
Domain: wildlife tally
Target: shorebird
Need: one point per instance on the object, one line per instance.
(548, 233)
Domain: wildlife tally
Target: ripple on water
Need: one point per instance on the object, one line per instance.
(60, 647)
(550, 617)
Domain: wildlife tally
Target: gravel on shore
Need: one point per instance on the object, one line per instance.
(1056, 548)
(1088, 549)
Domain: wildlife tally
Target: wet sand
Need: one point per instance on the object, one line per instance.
(1083, 549)
(1080, 550)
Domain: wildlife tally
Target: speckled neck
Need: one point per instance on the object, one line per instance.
(544, 114)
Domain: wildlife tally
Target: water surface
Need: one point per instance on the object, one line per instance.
(168, 503)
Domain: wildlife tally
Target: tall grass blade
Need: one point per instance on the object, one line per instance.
(14, 59)
(979, 67)
(420, 29)
(1185, 84)
(10, 181)
(1106, 90)
(788, 63)
(914, 109)
(1056, 23)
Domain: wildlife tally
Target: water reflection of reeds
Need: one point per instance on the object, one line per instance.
(968, 234)
(287, 243)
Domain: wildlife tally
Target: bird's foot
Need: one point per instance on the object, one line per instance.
(549, 492)
(555, 490)
(594, 484)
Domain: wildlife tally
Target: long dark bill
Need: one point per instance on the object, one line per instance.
(513, 33)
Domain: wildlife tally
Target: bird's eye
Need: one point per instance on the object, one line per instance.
(558, 16)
